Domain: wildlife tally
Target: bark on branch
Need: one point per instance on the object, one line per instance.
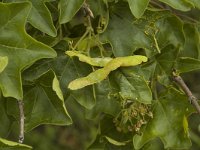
(21, 121)
(193, 100)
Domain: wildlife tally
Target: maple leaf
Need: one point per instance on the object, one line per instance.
(20, 48)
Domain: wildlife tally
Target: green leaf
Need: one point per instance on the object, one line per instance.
(168, 122)
(47, 103)
(138, 7)
(104, 102)
(131, 86)
(167, 59)
(6, 145)
(186, 64)
(196, 3)
(191, 48)
(56, 88)
(108, 129)
(18, 46)
(155, 144)
(68, 8)
(164, 64)
(123, 35)
(70, 70)
(101, 74)
(3, 63)
(40, 16)
(170, 31)
(185, 125)
(183, 5)
(6, 122)
(43, 103)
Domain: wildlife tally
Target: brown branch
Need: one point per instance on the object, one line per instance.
(21, 121)
(193, 100)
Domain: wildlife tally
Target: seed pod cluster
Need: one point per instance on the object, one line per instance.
(133, 117)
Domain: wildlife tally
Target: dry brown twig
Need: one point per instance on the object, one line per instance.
(21, 121)
(192, 99)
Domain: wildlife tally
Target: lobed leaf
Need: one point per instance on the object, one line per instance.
(170, 32)
(131, 86)
(47, 106)
(168, 122)
(40, 16)
(18, 46)
(124, 36)
(70, 70)
(43, 103)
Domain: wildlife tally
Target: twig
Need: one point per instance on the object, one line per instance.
(87, 10)
(21, 121)
(193, 100)
(157, 4)
(89, 14)
(166, 7)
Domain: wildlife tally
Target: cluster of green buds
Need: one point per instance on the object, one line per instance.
(132, 117)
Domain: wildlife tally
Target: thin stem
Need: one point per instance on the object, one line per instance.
(178, 14)
(189, 18)
(90, 35)
(79, 41)
(60, 32)
(157, 4)
(87, 10)
(193, 100)
(99, 44)
(156, 43)
(21, 121)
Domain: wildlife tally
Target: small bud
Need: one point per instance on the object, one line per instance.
(150, 114)
(119, 129)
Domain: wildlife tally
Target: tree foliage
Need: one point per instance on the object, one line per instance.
(109, 60)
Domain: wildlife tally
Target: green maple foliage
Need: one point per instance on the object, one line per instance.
(108, 62)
